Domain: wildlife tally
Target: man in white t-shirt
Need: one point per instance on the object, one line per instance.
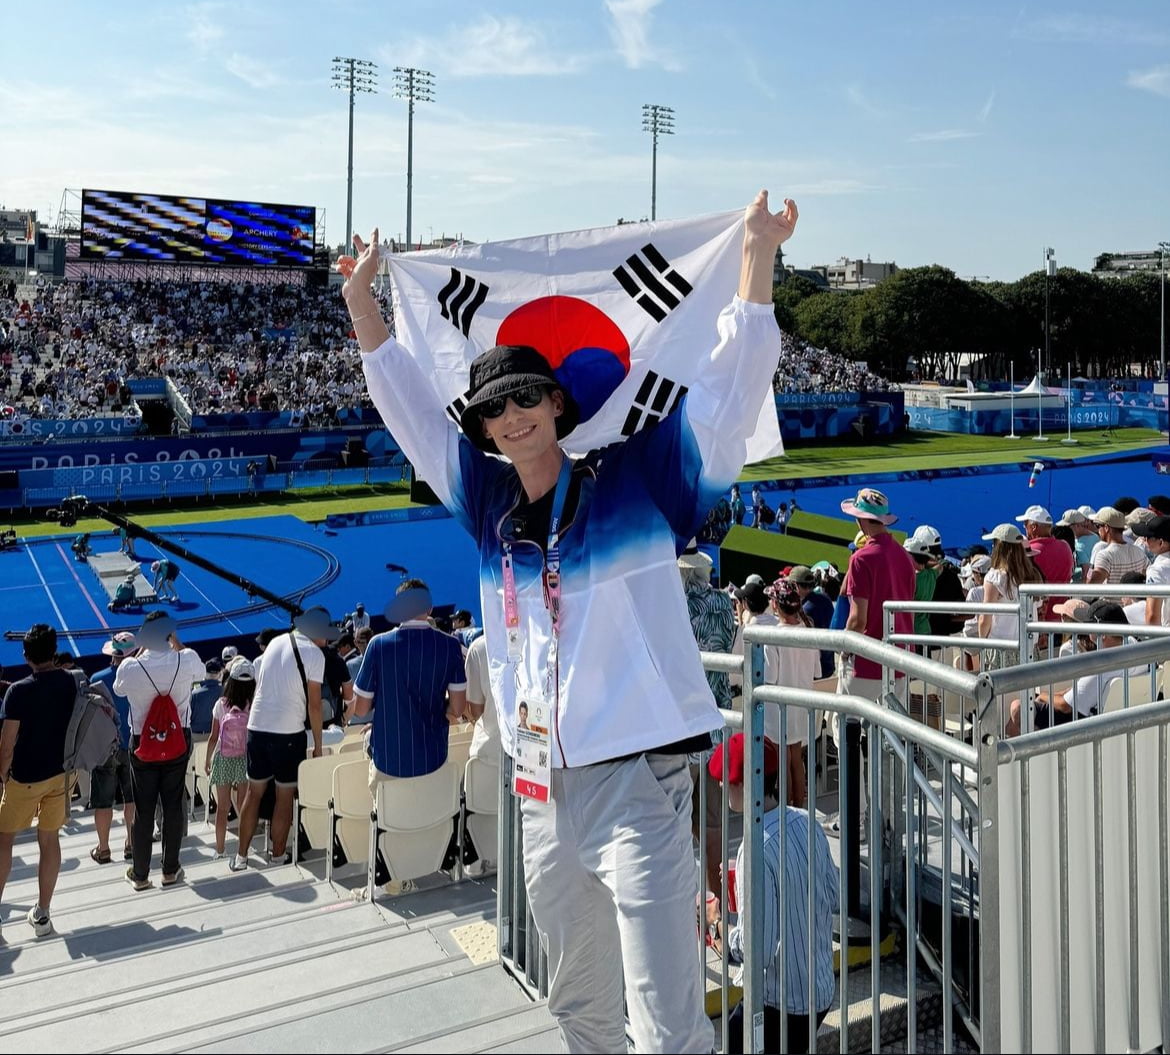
(162, 666)
(288, 688)
(1155, 534)
(485, 740)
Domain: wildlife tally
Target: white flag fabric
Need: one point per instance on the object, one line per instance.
(624, 315)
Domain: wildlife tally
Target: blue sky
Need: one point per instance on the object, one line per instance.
(966, 135)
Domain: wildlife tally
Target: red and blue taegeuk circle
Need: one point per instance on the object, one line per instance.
(588, 354)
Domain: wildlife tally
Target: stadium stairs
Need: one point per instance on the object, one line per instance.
(269, 959)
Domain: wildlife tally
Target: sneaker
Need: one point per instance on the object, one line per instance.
(397, 887)
(479, 868)
(137, 884)
(171, 880)
(284, 859)
(238, 863)
(39, 920)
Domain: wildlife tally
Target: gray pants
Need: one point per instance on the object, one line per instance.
(613, 885)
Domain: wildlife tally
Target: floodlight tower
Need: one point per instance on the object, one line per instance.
(658, 121)
(353, 76)
(414, 86)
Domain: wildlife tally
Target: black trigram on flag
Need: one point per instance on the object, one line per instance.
(654, 285)
(456, 407)
(460, 299)
(657, 396)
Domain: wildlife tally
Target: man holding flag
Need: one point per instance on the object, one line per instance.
(585, 620)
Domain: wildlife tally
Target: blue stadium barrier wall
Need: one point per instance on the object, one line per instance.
(826, 415)
(999, 422)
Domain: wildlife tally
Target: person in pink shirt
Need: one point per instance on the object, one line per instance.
(1051, 555)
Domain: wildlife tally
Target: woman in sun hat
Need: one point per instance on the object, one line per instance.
(1011, 565)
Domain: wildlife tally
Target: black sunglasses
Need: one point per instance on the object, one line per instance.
(526, 398)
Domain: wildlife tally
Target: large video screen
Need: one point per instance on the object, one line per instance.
(116, 225)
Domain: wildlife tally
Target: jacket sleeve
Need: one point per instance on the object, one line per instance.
(434, 445)
(694, 454)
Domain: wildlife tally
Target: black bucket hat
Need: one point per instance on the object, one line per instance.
(504, 371)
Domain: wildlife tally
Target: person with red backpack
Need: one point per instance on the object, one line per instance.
(157, 681)
(227, 746)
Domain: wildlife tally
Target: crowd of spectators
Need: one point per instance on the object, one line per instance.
(805, 368)
(69, 350)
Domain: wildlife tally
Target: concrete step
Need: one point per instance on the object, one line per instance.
(495, 1032)
(277, 995)
(221, 956)
(375, 1016)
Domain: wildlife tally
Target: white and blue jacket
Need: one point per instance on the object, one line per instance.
(630, 678)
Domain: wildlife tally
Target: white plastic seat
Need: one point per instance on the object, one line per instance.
(352, 807)
(415, 817)
(314, 790)
(195, 775)
(350, 747)
(459, 744)
(481, 798)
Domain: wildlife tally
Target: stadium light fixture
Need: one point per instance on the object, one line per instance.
(353, 76)
(658, 120)
(1163, 247)
(413, 85)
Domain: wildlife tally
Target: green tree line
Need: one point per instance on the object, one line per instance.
(922, 321)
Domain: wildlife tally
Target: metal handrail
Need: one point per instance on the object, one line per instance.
(1099, 661)
(1086, 731)
(852, 643)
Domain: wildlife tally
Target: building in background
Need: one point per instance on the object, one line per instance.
(848, 273)
(1118, 265)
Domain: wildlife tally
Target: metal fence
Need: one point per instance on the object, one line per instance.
(972, 867)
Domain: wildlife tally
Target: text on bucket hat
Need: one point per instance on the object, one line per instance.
(504, 371)
(1035, 514)
(734, 750)
(315, 624)
(1004, 533)
(870, 504)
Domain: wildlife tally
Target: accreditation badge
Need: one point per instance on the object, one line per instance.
(532, 750)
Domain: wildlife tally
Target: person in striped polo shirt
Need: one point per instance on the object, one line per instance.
(413, 680)
(786, 848)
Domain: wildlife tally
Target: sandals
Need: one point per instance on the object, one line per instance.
(138, 884)
(100, 856)
(127, 853)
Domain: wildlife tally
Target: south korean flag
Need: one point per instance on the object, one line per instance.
(624, 315)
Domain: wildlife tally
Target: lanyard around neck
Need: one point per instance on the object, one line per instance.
(552, 560)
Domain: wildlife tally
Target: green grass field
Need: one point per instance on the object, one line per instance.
(309, 505)
(939, 450)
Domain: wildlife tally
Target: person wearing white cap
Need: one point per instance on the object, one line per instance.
(1085, 536)
(1052, 556)
(1113, 556)
(1010, 566)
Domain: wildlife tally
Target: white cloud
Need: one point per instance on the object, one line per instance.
(986, 108)
(1075, 28)
(251, 71)
(203, 31)
(943, 136)
(491, 47)
(632, 33)
(1156, 80)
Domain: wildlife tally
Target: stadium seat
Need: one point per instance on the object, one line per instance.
(459, 744)
(481, 801)
(414, 819)
(350, 812)
(314, 791)
(195, 775)
(352, 746)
